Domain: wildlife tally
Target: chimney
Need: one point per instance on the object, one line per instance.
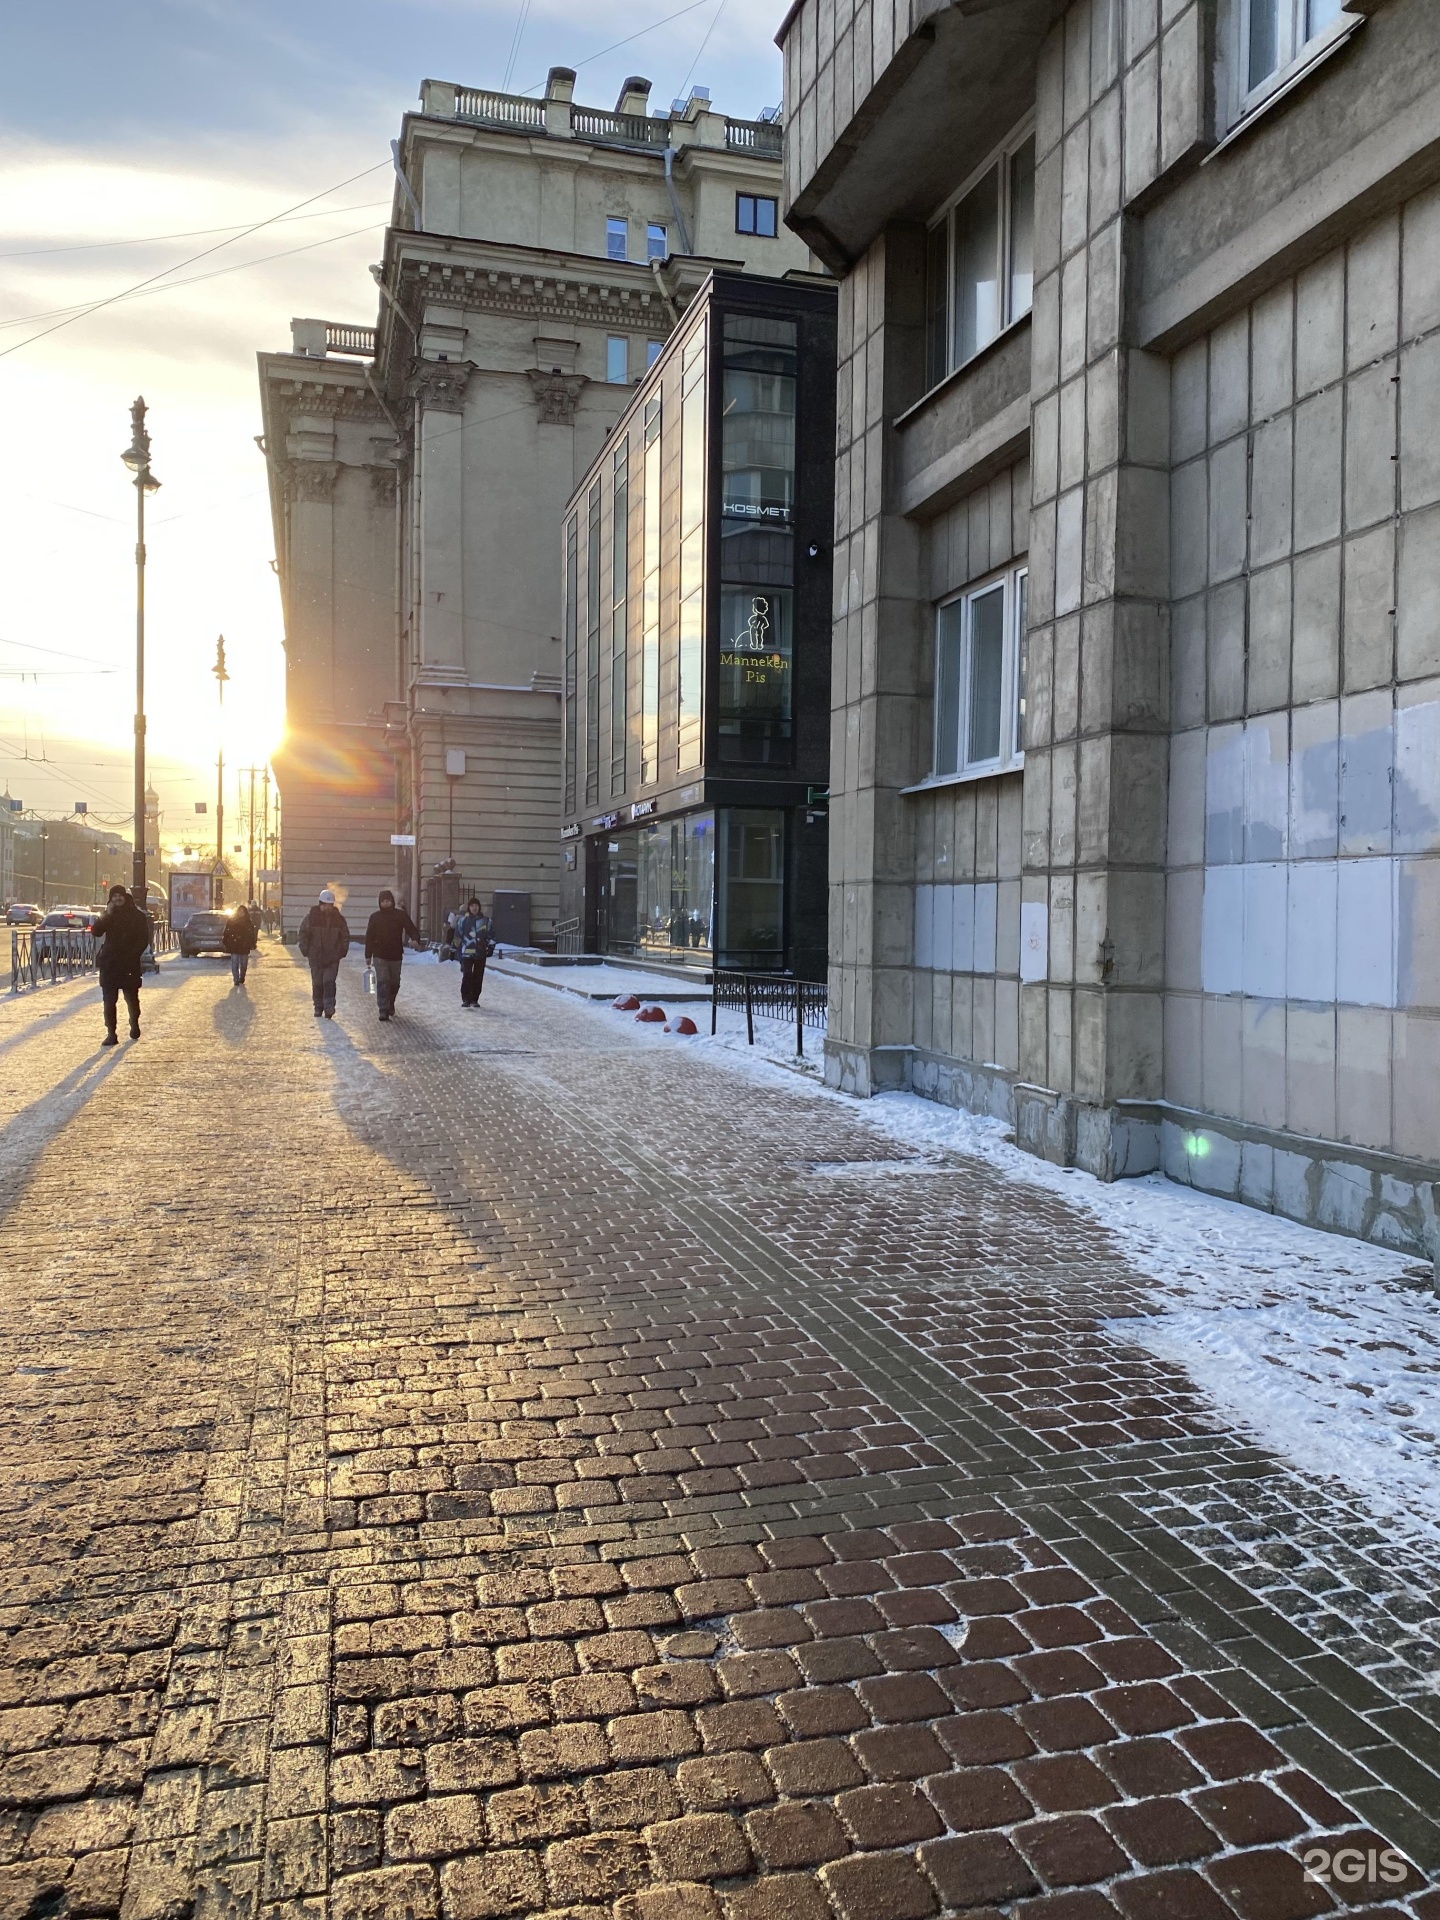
(308, 337)
(634, 96)
(561, 84)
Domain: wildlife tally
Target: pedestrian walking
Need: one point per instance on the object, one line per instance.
(324, 940)
(386, 932)
(239, 941)
(472, 936)
(124, 934)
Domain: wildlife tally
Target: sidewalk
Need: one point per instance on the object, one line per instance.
(520, 1463)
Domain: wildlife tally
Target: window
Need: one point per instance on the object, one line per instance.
(619, 599)
(980, 265)
(980, 678)
(572, 585)
(650, 603)
(757, 213)
(617, 237)
(1271, 35)
(757, 540)
(617, 360)
(691, 663)
(592, 646)
(652, 351)
(657, 241)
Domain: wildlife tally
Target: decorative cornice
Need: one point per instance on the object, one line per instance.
(322, 397)
(439, 384)
(556, 395)
(533, 296)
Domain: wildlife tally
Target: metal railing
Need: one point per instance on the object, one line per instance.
(500, 109)
(774, 996)
(340, 338)
(619, 129)
(568, 937)
(764, 138)
(43, 956)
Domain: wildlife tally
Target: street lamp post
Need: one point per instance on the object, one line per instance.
(137, 458)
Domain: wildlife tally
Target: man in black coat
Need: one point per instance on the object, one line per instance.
(124, 934)
(324, 941)
(386, 932)
(239, 940)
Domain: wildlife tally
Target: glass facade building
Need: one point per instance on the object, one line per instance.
(696, 680)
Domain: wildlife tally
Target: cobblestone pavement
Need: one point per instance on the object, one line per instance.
(494, 1465)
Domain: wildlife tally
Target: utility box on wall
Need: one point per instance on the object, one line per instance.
(510, 918)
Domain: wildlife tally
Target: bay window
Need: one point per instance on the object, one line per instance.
(980, 264)
(980, 678)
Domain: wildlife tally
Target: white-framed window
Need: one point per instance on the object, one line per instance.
(1273, 33)
(980, 677)
(980, 261)
(617, 237)
(617, 360)
(657, 241)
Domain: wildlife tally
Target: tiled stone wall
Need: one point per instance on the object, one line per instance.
(1094, 834)
(1303, 942)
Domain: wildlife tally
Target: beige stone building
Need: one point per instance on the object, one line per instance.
(1135, 825)
(539, 256)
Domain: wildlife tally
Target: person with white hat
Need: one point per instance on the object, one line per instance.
(324, 940)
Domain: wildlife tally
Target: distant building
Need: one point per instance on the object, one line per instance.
(540, 254)
(1136, 791)
(696, 644)
(7, 848)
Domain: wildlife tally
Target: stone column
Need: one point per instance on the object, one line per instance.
(437, 389)
(1093, 887)
(310, 476)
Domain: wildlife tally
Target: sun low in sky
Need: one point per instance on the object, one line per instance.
(176, 131)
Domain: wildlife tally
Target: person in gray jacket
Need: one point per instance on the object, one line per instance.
(324, 940)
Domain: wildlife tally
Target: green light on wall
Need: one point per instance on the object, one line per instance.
(1196, 1145)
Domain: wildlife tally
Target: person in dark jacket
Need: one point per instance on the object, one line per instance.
(386, 932)
(124, 934)
(324, 940)
(472, 937)
(239, 941)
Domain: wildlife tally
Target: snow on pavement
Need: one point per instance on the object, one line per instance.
(1323, 1349)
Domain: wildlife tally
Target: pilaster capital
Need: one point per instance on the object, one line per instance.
(310, 479)
(556, 395)
(439, 385)
(383, 485)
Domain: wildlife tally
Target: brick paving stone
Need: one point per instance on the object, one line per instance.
(453, 1488)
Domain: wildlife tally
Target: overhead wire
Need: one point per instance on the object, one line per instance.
(515, 40)
(179, 266)
(700, 50)
(190, 233)
(616, 45)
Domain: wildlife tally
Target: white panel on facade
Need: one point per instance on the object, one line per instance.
(1367, 771)
(1267, 787)
(985, 911)
(1222, 927)
(1315, 780)
(1365, 933)
(1310, 937)
(1034, 940)
(924, 926)
(1225, 796)
(1263, 944)
(1417, 776)
(943, 946)
(962, 957)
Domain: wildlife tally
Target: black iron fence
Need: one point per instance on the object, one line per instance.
(771, 996)
(43, 956)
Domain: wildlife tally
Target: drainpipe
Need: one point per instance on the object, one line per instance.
(675, 200)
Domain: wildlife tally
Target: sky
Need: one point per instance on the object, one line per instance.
(138, 140)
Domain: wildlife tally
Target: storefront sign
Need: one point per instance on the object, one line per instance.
(641, 807)
(605, 821)
(571, 832)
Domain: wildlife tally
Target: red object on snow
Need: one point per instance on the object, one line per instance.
(625, 1003)
(683, 1025)
(651, 1014)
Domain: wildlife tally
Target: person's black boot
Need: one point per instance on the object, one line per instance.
(111, 1039)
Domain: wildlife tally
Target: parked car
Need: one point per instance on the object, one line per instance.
(60, 920)
(23, 913)
(203, 933)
